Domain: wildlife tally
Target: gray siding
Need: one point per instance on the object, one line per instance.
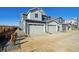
(64, 27)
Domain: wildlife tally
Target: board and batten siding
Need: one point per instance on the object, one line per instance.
(24, 27)
(31, 16)
(60, 27)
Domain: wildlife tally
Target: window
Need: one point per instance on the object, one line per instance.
(36, 15)
(44, 17)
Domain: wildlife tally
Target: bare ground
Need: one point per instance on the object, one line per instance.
(56, 42)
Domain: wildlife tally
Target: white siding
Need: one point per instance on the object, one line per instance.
(53, 23)
(29, 16)
(32, 16)
(24, 27)
(60, 27)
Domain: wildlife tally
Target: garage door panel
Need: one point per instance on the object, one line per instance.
(36, 29)
(52, 28)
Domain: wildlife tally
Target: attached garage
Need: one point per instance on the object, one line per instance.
(51, 28)
(35, 29)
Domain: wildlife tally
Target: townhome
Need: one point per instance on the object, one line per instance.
(36, 21)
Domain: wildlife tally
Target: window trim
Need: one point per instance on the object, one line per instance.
(36, 15)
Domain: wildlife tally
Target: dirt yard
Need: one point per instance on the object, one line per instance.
(56, 42)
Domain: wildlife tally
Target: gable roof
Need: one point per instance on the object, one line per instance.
(35, 9)
(49, 21)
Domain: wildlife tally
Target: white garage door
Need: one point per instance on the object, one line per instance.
(52, 28)
(36, 29)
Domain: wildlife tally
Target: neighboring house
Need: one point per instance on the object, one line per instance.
(60, 20)
(36, 21)
(73, 24)
(62, 26)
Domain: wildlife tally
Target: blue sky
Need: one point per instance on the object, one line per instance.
(11, 15)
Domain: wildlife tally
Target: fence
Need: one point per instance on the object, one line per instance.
(5, 39)
(5, 35)
(9, 46)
